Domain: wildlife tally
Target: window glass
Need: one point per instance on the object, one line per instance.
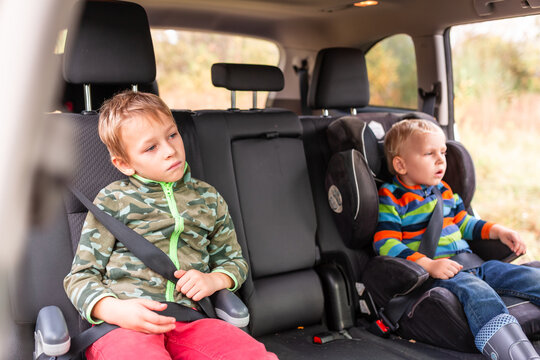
(60, 42)
(496, 68)
(184, 59)
(391, 65)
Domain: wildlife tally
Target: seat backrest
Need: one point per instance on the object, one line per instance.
(255, 158)
(49, 251)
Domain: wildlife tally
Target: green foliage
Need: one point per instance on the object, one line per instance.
(391, 65)
(489, 65)
(497, 112)
(184, 60)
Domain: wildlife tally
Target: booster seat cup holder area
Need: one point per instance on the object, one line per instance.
(355, 170)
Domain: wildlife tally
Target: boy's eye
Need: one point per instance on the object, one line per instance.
(150, 148)
(173, 135)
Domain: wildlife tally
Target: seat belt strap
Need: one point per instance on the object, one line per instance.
(143, 249)
(303, 82)
(429, 98)
(430, 238)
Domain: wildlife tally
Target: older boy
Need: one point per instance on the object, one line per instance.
(184, 217)
(415, 152)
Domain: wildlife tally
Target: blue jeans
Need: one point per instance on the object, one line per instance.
(477, 289)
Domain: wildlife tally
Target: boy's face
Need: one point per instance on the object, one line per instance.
(154, 149)
(422, 159)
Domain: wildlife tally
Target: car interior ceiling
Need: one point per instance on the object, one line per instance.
(320, 24)
(245, 135)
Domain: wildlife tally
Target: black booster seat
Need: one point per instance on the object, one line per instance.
(355, 171)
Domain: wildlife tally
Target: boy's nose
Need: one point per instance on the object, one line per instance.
(169, 151)
(441, 159)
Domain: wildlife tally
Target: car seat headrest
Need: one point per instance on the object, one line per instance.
(460, 174)
(111, 44)
(247, 77)
(339, 80)
(349, 133)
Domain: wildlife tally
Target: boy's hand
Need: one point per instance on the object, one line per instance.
(134, 314)
(197, 285)
(509, 238)
(440, 268)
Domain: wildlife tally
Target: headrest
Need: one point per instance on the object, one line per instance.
(339, 80)
(111, 44)
(247, 77)
(348, 132)
(365, 133)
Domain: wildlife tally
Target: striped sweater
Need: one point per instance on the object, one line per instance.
(404, 214)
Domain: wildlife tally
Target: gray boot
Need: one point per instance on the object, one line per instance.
(509, 343)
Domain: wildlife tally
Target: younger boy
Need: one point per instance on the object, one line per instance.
(184, 217)
(415, 151)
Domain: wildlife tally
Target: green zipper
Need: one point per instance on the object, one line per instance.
(173, 244)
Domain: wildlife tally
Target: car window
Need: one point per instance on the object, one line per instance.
(497, 115)
(391, 65)
(184, 59)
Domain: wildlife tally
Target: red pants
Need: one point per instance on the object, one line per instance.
(202, 339)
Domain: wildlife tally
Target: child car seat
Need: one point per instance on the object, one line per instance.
(354, 170)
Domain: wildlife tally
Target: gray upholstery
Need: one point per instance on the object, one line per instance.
(256, 161)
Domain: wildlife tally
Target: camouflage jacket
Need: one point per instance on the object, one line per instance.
(187, 219)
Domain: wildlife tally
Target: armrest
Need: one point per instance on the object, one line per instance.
(492, 250)
(51, 334)
(230, 308)
(386, 277)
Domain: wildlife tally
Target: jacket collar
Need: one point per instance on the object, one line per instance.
(148, 185)
(422, 190)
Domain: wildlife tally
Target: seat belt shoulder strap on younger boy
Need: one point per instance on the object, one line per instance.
(430, 238)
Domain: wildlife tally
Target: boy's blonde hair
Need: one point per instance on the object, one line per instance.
(400, 132)
(121, 107)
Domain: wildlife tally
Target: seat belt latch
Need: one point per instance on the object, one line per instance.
(382, 326)
(379, 328)
(326, 337)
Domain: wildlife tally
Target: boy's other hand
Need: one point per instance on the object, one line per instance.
(197, 285)
(134, 314)
(509, 238)
(440, 268)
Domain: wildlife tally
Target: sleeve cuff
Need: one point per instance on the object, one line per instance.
(486, 229)
(90, 307)
(223, 271)
(415, 256)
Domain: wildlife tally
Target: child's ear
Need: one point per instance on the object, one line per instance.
(122, 165)
(399, 165)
